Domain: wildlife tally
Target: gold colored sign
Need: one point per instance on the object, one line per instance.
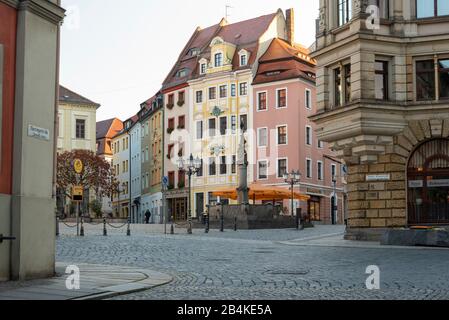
(77, 193)
(78, 166)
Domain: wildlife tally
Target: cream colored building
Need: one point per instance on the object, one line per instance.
(221, 99)
(383, 104)
(77, 122)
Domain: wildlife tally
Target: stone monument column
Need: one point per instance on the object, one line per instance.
(242, 162)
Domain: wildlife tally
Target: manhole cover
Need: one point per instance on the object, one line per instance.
(288, 272)
(218, 260)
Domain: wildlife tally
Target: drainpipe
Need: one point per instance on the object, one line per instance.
(130, 176)
(56, 122)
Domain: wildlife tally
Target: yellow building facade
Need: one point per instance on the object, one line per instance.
(221, 99)
(77, 118)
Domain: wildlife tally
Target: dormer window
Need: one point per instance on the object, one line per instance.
(272, 73)
(181, 73)
(194, 52)
(243, 60)
(218, 58)
(243, 57)
(203, 67)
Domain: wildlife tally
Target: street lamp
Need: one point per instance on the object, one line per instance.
(292, 179)
(334, 200)
(192, 167)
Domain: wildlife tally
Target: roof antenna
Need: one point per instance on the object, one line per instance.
(227, 15)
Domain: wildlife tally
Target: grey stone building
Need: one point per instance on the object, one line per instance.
(383, 104)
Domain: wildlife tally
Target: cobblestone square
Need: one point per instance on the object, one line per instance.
(267, 264)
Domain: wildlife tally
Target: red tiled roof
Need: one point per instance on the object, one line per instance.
(199, 39)
(283, 61)
(106, 130)
(244, 34)
(68, 96)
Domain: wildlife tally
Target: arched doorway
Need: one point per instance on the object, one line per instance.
(428, 183)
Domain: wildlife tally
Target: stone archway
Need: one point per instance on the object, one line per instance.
(428, 183)
(383, 202)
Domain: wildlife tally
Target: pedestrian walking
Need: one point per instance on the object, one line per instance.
(147, 216)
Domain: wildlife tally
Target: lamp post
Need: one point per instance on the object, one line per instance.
(192, 167)
(292, 179)
(334, 200)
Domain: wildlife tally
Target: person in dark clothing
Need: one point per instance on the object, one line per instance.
(147, 217)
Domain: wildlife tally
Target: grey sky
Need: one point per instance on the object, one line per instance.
(117, 53)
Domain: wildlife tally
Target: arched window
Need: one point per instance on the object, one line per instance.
(428, 183)
(218, 58)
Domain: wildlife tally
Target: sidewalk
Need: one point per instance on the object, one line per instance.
(96, 282)
(338, 241)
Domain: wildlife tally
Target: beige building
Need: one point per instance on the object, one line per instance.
(383, 89)
(77, 122)
(151, 118)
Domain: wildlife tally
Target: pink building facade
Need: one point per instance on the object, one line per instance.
(284, 98)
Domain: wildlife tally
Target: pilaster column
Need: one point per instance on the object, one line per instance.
(33, 208)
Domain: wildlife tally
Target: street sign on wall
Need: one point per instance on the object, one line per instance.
(77, 193)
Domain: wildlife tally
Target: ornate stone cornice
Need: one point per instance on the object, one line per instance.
(12, 3)
(43, 8)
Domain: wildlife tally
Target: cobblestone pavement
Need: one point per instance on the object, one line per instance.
(255, 265)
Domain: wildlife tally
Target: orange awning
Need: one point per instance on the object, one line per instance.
(260, 192)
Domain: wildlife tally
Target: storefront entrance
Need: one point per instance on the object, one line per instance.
(428, 184)
(314, 208)
(178, 208)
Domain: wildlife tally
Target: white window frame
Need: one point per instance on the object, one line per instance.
(277, 98)
(277, 135)
(308, 101)
(277, 167)
(258, 169)
(216, 93)
(234, 130)
(320, 144)
(240, 89)
(219, 174)
(258, 137)
(244, 55)
(258, 100)
(311, 136)
(320, 164)
(201, 68)
(208, 127)
(196, 130)
(308, 160)
(233, 87)
(196, 96)
(222, 58)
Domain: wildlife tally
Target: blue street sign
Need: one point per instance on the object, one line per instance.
(165, 181)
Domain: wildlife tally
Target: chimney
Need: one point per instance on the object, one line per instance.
(290, 25)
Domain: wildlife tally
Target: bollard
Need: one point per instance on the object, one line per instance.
(105, 231)
(172, 227)
(222, 220)
(206, 221)
(128, 231)
(82, 227)
(235, 223)
(57, 226)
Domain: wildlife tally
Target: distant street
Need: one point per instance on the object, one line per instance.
(269, 264)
